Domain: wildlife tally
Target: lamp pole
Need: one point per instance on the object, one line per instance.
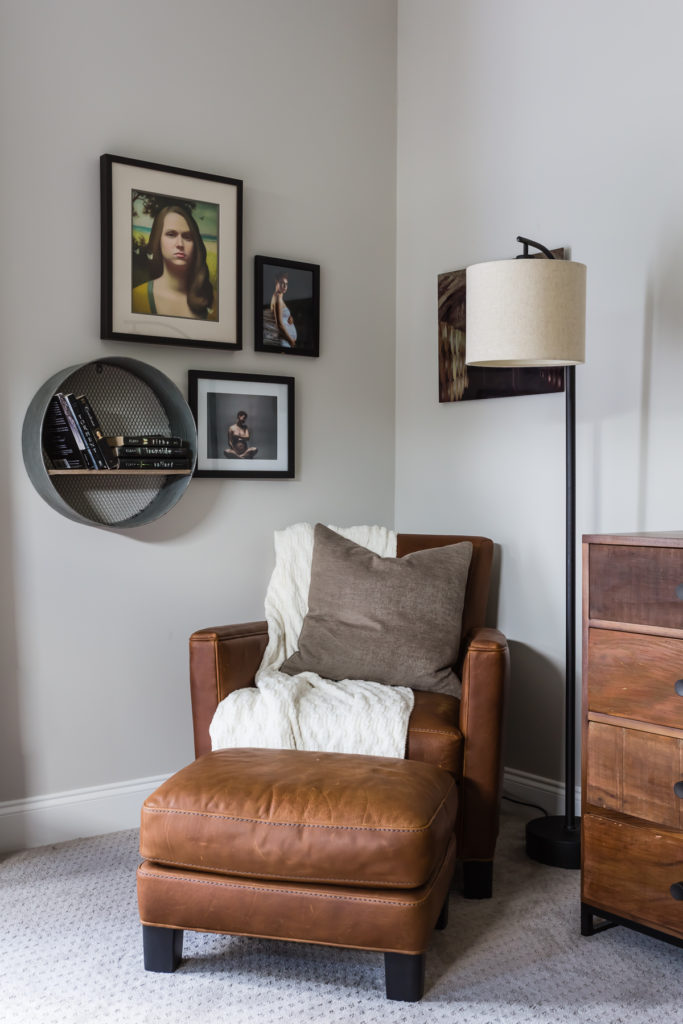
(556, 840)
(570, 681)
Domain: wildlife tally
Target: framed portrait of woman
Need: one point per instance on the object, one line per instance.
(171, 255)
(286, 306)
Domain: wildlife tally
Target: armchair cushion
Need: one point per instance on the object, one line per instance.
(392, 620)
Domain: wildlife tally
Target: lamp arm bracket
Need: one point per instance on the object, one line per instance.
(537, 245)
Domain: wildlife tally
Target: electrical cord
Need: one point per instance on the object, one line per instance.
(523, 803)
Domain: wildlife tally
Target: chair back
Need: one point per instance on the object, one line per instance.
(478, 579)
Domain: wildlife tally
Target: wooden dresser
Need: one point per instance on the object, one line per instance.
(632, 753)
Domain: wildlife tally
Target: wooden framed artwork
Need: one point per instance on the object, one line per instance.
(245, 424)
(171, 255)
(459, 382)
(286, 306)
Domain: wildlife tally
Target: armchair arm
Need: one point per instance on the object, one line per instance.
(485, 675)
(222, 659)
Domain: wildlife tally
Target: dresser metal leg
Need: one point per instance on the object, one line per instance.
(587, 927)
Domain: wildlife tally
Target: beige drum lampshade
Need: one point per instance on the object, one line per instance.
(526, 312)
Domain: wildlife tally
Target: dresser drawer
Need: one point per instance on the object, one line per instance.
(634, 675)
(636, 585)
(629, 870)
(634, 772)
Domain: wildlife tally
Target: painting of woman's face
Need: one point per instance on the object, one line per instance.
(177, 246)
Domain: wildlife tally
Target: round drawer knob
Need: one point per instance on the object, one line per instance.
(678, 687)
(676, 890)
(678, 789)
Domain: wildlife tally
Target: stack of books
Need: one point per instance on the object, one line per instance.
(73, 439)
(153, 452)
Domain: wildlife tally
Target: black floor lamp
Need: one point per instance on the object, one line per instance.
(532, 312)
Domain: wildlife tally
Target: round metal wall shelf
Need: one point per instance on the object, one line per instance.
(129, 397)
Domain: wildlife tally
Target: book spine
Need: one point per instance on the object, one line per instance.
(149, 452)
(66, 463)
(70, 417)
(86, 430)
(154, 464)
(94, 424)
(138, 440)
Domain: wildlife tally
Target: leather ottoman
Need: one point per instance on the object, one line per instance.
(339, 849)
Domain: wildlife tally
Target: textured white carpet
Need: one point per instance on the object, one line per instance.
(72, 952)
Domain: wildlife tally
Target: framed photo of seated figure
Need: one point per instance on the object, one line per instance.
(245, 424)
(286, 306)
(171, 255)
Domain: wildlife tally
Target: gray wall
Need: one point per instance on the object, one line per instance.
(298, 100)
(555, 121)
(549, 120)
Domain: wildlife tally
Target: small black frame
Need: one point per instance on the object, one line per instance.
(138, 269)
(286, 306)
(245, 424)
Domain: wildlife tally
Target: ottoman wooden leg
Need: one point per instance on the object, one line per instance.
(405, 976)
(162, 947)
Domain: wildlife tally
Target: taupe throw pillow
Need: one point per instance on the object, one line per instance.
(390, 620)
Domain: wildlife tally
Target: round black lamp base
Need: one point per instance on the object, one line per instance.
(549, 841)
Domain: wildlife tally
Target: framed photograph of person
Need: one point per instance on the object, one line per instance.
(286, 306)
(245, 424)
(171, 255)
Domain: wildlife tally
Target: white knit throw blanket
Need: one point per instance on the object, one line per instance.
(305, 712)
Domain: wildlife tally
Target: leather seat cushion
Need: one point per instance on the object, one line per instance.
(434, 733)
(296, 815)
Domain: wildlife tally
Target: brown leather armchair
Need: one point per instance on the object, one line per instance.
(464, 735)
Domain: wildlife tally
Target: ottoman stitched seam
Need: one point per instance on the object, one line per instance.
(436, 732)
(302, 824)
(266, 874)
(287, 824)
(292, 892)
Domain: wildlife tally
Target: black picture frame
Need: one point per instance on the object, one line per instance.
(216, 400)
(133, 194)
(299, 334)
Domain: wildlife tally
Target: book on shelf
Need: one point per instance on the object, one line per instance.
(90, 424)
(94, 453)
(58, 440)
(154, 464)
(68, 405)
(142, 451)
(142, 440)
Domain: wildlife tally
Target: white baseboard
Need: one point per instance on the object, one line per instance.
(534, 789)
(43, 820)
